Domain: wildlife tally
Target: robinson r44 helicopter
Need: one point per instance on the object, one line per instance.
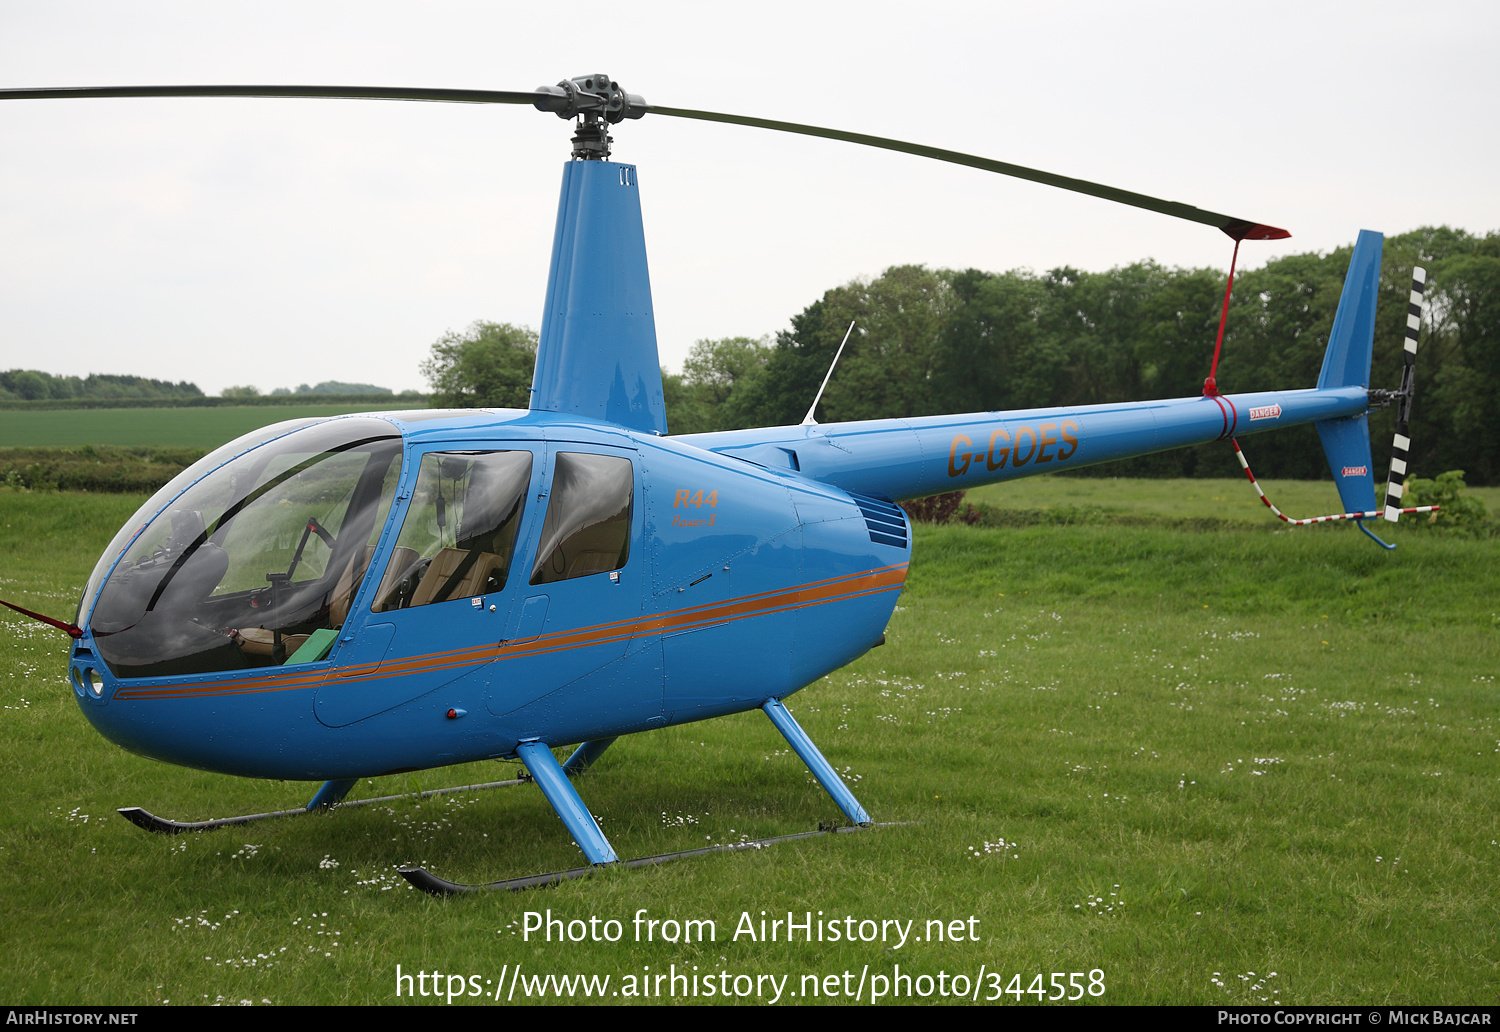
(331, 599)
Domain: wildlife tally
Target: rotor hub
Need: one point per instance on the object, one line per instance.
(597, 102)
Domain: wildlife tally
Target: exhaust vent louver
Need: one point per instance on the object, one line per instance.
(885, 520)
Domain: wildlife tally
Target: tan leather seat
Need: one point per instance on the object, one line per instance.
(343, 591)
(401, 560)
(257, 641)
(585, 563)
(445, 564)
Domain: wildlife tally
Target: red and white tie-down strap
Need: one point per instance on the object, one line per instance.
(1316, 519)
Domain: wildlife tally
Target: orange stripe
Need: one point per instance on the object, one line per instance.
(837, 589)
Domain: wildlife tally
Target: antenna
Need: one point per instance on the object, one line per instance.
(808, 419)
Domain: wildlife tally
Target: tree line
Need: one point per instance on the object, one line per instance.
(932, 341)
(302, 390)
(34, 385)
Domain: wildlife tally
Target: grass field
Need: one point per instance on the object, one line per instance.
(1241, 766)
(186, 427)
(1230, 499)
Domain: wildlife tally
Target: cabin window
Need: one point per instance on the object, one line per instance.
(459, 535)
(587, 528)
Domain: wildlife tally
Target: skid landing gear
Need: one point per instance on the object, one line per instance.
(332, 794)
(556, 786)
(555, 781)
(328, 796)
(429, 882)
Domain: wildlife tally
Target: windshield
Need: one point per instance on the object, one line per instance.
(257, 563)
(173, 488)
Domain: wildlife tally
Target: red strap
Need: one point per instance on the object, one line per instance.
(75, 631)
(1211, 386)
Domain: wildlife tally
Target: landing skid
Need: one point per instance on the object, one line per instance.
(555, 783)
(331, 794)
(150, 822)
(428, 882)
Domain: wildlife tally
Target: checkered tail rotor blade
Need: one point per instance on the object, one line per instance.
(1401, 446)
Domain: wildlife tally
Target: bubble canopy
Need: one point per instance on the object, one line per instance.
(253, 561)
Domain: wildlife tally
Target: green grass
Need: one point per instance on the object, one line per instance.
(1208, 754)
(1231, 499)
(186, 427)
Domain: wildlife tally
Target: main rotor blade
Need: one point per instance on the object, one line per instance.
(1238, 229)
(311, 92)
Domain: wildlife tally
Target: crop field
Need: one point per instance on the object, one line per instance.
(187, 427)
(1236, 766)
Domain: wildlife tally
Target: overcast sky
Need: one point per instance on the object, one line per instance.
(278, 242)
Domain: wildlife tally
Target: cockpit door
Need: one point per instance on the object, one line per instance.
(581, 655)
(435, 605)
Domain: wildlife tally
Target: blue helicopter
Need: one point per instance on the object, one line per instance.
(332, 599)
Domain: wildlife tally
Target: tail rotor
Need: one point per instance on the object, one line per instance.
(1396, 486)
(1342, 455)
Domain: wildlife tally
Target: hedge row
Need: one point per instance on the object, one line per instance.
(410, 399)
(91, 468)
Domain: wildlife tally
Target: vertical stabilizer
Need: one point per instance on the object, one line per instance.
(1347, 361)
(1347, 364)
(597, 354)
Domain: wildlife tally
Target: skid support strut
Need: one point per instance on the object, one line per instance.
(809, 754)
(584, 756)
(564, 799)
(331, 793)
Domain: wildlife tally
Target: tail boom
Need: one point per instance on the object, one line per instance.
(910, 458)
